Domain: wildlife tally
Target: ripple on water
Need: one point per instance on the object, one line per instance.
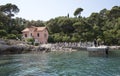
(59, 64)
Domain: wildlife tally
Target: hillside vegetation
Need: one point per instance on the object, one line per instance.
(103, 26)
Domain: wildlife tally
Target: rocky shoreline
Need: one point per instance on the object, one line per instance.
(19, 47)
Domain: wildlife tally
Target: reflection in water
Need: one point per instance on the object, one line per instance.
(59, 64)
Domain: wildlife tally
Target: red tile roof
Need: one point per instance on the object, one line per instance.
(25, 30)
(40, 28)
(34, 28)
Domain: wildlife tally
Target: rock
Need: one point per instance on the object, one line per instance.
(2, 42)
(3, 47)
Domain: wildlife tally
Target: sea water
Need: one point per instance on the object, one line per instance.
(76, 63)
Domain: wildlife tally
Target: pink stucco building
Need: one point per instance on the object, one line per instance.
(40, 34)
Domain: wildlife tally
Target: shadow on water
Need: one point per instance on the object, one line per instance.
(114, 53)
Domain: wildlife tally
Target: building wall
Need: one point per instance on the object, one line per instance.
(25, 35)
(39, 36)
(42, 37)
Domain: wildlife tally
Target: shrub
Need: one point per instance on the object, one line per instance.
(50, 39)
(31, 40)
(74, 39)
(57, 37)
(14, 32)
(3, 33)
(66, 38)
(19, 36)
(11, 36)
(36, 44)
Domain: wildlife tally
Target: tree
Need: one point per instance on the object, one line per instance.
(77, 26)
(103, 13)
(57, 37)
(1, 25)
(52, 26)
(9, 9)
(37, 23)
(65, 25)
(14, 32)
(3, 20)
(78, 12)
(75, 37)
(66, 38)
(114, 12)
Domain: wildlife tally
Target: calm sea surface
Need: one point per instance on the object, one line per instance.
(60, 64)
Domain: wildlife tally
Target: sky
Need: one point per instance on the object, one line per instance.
(48, 9)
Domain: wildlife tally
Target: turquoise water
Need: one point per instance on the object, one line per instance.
(60, 64)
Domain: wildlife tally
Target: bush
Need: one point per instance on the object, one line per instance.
(11, 36)
(50, 39)
(66, 38)
(1, 25)
(3, 33)
(19, 36)
(36, 44)
(57, 37)
(74, 39)
(14, 32)
(31, 40)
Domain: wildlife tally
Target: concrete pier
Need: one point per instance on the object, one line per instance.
(98, 51)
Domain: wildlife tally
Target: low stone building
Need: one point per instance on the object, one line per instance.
(40, 34)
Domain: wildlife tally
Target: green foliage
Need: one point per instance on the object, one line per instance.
(31, 40)
(1, 25)
(77, 25)
(66, 38)
(50, 39)
(14, 32)
(78, 11)
(57, 37)
(114, 12)
(19, 36)
(11, 36)
(53, 26)
(60, 24)
(3, 33)
(103, 26)
(66, 25)
(36, 44)
(9, 9)
(74, 39)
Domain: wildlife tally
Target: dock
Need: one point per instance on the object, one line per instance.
(98, 51)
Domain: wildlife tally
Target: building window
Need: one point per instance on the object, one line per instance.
(38, 34)
(31, 34)
(25, 35)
